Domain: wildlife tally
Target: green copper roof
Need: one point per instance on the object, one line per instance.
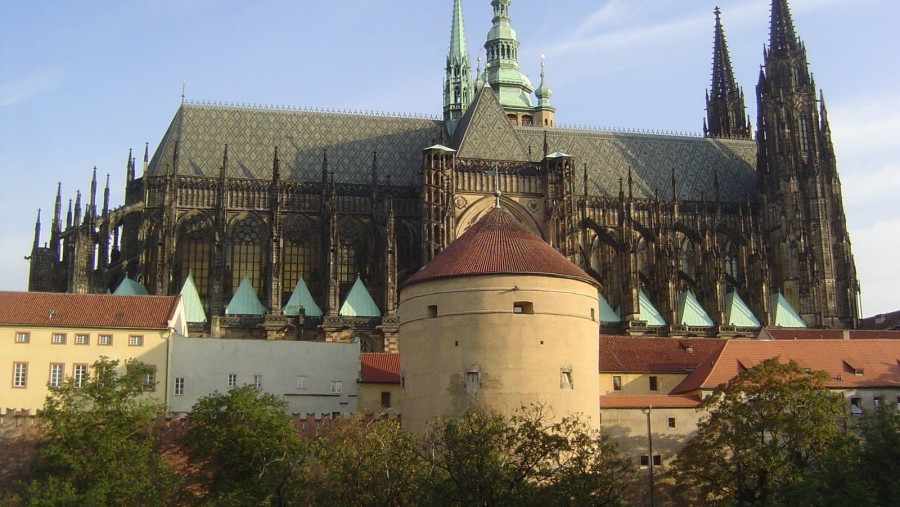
(785, 315)
(647, 312)
(359, 303)
(737, 313)
(301, 298)
(607, 314)
(513, 88)
(129, 287)
(193, 308)
(244, 301)
(690, 312)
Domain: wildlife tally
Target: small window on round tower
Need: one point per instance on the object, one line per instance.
(432, 311)
(525, 307)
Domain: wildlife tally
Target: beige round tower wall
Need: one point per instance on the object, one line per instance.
(499, 341)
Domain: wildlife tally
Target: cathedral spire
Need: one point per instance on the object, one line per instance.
(781, 31)
(725, 109)
(458, 84)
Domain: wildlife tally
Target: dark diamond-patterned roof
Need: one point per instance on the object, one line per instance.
(696, 160)
(498, 244)
(485, 132)
(301, 137)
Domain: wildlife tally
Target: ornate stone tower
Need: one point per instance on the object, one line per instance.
(725, 110)
(800, 192)
(458, 84)
(513, 88)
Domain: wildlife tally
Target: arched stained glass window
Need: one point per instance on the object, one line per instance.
(245, 254)
(194, 251)
(299, 254)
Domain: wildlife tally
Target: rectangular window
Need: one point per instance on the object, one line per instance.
(565, 378)
(82, 339)
(473, 382)
(104, 339)
(432, 311)
(56, 374)
(523, 307)
(257, 381)
(301, 381)
(179, 386)
(617, 383)
(337, 387)
(654, 383)
(385, 399)
(79, 374)
(20, 375)
(645, 460)
(671, 422)
(58, 339)
(136, 340)
(22, 337)
(877, 402)
(232, 379)
(150, 380)
(856, 406)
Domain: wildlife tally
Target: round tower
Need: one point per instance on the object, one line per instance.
(499, 320)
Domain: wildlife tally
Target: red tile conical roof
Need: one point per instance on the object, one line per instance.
(499, 244)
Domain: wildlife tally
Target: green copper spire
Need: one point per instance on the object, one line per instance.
(458, 85)
(513, 88)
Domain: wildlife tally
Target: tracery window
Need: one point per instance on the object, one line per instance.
(730, 254)
(298, 252)
(351, 252)
(245, 254)
(194, 253)
(687, 261)
(643, 257)
(605, 261)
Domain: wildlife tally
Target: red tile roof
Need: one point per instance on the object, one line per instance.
(878, 361)
(779, 333)
(657, 355)
(106, 311)
(649, 400)
(499, 244)
(380, 367)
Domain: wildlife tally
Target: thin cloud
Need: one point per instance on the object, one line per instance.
(28, 86)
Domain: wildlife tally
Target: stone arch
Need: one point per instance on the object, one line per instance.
(368, 343)
(480, 207)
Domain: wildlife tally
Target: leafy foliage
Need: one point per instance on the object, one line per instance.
(97, 446)
(768, 430)
(879, 456)
(530, 459)
(369, 463)
(248, 447)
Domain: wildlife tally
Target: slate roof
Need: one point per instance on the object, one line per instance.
(878, 360)
(301, 137)
(104, 311)
(483, 132)
(649, 400)
(379, 367)
(499, 244)
(635, 354)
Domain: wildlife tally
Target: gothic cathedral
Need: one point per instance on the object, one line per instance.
(301, 224)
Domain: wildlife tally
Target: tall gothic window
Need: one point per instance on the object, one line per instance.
(605, 261)
(408, 250)
(687, 260)
(803, 129)
(730, 254)
(643, 258)
(245, 253)
(351, 253)
(298, 255)
(194, 253)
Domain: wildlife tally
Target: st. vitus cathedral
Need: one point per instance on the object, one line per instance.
(301, 224)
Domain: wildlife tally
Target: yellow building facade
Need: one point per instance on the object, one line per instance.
(49, 338)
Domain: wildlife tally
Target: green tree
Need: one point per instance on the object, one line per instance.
(532, 458)
(767, 431)
(97, 445)
(246, 444)
(879, 457)
(369, 463)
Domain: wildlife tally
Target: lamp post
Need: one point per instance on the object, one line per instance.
(647, 410)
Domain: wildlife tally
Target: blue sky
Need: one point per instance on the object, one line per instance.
(82, 82)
